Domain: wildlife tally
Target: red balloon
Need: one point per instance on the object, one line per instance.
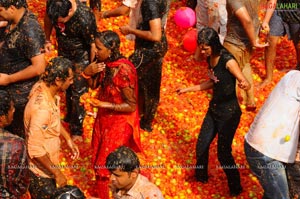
(185, 17)
(190, 40)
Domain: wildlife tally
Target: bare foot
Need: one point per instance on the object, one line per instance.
(77, 138)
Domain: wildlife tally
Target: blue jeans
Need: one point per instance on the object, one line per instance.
(270, 173)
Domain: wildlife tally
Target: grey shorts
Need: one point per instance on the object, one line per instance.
(280, 28)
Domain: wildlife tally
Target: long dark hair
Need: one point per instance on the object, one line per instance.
(111, 40)
(210, 37)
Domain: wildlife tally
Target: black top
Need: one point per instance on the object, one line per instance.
(76, 35)
(224, 90)
(289, 10)
(153, 9)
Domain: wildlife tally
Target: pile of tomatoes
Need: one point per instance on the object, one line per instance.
(170, 148)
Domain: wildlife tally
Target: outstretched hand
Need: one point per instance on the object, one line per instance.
(94, 68)
(180, 91)
(260, 45)
(125, 30)
(74, 148)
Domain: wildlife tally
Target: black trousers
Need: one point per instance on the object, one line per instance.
(225, 127)
(75, 110)
(148, 63)
(41, 188)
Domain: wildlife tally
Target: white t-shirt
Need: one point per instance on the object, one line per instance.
(130, 3)
(275, 129)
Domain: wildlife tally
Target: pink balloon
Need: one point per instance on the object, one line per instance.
(185, 17)
(190, 40)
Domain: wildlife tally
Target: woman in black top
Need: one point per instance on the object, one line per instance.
(223, 115)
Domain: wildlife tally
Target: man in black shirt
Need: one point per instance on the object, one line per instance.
(75, 27)
(22, 57)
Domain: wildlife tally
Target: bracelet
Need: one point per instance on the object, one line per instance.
(85, 76)
(47, 41)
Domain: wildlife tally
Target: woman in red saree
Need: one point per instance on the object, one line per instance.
(117, 121)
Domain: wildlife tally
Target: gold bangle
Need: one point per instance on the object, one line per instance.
(85, 76)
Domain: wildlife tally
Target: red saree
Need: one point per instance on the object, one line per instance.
(113, 129)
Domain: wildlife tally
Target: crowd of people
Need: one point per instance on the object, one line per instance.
(129, 94)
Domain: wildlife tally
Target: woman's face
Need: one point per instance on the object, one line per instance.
(102, 53)
(205, 50)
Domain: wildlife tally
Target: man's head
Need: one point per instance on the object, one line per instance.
(59, 10)
(16, 3)
(124, 165)
(6, 109)
(9, 8)
(58, 73)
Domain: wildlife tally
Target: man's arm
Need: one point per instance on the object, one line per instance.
(154, 34)
(47, 27)
(122, 10)
(37, 67)
(70, 143)
(248, 25)
(270, 7)
(52, 168)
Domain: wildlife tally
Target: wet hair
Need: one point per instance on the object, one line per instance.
(17, 3)
(58, 8)
(208, 36)
(122, 158)
(110, 40)
(57, 67)
(68, 192)
(5, 102)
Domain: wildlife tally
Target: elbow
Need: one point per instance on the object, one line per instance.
(248, 23)
(156, 38)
